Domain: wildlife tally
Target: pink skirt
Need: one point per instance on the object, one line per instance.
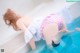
(51, 19)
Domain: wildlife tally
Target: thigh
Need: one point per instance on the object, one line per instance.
(64, 24)
(49, 32)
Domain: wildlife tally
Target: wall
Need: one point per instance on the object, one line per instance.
(75, 10)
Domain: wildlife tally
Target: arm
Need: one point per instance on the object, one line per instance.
(30, 40)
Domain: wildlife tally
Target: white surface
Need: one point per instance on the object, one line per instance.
(75, 10)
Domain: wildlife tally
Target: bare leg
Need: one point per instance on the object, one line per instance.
(50, 32)
(64, 29)
(32, 44)
(61, 32)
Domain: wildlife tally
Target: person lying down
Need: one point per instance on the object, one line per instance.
(46, 28)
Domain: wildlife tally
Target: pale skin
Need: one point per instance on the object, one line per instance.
(50, 30)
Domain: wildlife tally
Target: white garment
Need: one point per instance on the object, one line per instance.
(28, 36)
(34, 31)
